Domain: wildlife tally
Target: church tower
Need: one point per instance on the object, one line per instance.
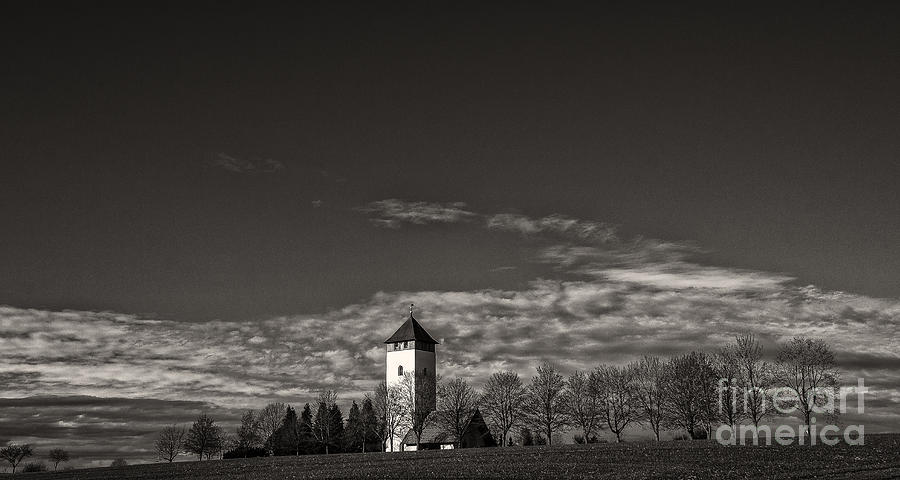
(410, 350)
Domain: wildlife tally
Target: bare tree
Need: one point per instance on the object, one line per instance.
(648, 392)
(728, 368)
(502, 401)
(417, 392)
(248, 432)
(205, 438)
(14, 454)
(57, 456)
(269, 419)
(391, 413)
(807, 367)
(615, 386)
(757, 377)
(690, 392)
(323, 427)
(170, 443)
(544, 406)
(582, 404)
(456, 404)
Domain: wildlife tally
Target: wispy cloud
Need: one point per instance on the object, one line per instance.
(392, 213)
(627, 298)
(241, 165)
(554, 224)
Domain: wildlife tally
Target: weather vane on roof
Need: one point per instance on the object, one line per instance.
(410, 309)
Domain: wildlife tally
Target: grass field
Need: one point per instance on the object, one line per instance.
(879, 458)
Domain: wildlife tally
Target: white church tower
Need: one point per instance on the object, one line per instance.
(410, 350)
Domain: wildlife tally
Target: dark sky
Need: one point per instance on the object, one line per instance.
(576, 183)
(765, 134)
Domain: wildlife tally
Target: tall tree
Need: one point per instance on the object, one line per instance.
(14, 454)
(324, 424)
(355, 431)
(337, 427)
(57, 456)
(369, 421)
(205, 438)
(544, 407)
(502, 402)
(456, 405)
(304, 431)
(615, 387)
(248, 433)
(285, 440)
(690, 392)
(757, 375)
(417, 392)
(648, 390)
(730, 409)
(582, 404)
(170, 442)
(270, 419)
(391, 412)
(806, 366)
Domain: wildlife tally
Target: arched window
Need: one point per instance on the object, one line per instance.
(425, 372)
(400, 371)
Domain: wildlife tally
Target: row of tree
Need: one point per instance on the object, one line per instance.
(15, 453)
(277, 429)
(692, 393)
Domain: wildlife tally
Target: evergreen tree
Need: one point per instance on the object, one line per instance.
(284, 440)
(370, 426)
(337, 427)
(354, 433)
(304, 432)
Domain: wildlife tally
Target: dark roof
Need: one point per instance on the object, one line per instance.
(431, 434)
(411, 330)
(477, 434)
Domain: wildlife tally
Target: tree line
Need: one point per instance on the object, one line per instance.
(277, 429)
(14, 454)
(692, 393)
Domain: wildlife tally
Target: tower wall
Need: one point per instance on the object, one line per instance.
(413, 360)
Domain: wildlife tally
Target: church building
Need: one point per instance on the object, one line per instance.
(411, 350)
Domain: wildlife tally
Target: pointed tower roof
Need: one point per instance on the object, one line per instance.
(411, 330)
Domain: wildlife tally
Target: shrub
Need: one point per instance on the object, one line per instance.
(246, 453)
(34, 467)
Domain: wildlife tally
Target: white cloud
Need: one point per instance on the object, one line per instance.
(555, 224)
(635, 297)
(391, 213)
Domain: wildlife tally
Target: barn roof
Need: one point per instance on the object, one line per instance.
(477, 434)
(431, 434)
(411, 330)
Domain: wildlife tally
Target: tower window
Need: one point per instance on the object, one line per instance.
(397, 346)
(425, 372)
(400, 371)
(405, 344)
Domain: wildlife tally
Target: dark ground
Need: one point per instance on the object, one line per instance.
(879, 458)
